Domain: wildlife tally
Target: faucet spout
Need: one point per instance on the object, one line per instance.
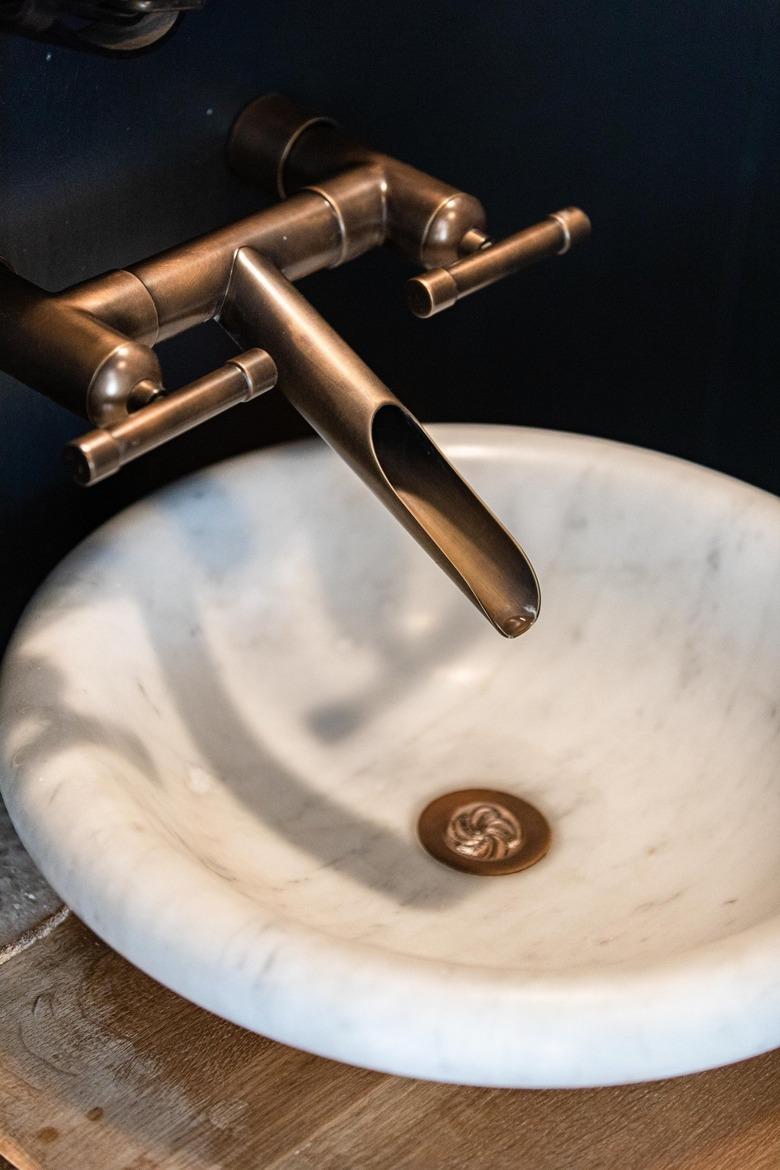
(90, 347)
(382, 441)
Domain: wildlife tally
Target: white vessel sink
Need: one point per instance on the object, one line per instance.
(224, 713)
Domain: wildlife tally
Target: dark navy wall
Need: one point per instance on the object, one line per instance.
(662, 120)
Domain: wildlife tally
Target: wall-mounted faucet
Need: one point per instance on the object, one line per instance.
(90, 347)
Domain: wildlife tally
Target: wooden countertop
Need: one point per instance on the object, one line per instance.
(103, 1069)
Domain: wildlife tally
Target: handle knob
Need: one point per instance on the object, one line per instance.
(440, 288)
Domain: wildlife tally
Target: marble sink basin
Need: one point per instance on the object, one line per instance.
(223, 714)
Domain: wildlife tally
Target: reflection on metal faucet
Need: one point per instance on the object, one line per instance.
(90, 347)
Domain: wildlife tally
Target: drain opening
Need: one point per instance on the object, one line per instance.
(485, 832)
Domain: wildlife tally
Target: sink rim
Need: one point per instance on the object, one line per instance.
(660, 1009)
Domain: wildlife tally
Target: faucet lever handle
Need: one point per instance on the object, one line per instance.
(103, 451)
(486, 262)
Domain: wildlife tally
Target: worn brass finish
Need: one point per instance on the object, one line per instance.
(442, 287)
(361, 419)
(102, 452)
(69, 354)
(484, 832)
(90, 347)
(422, 217)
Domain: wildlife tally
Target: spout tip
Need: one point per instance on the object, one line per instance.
(446, 517)
(518, 623)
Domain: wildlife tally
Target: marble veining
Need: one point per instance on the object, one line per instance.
(223, 714)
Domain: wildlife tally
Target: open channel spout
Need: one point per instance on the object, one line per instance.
(382, 441)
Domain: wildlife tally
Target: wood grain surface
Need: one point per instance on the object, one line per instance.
(28, 905)
(103, 1069)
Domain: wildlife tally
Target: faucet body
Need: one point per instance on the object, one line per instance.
(90, 347)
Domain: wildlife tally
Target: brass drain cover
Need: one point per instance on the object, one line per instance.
(485, 832)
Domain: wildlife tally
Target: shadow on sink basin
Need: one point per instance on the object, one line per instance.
(328, 830)
(60, 728)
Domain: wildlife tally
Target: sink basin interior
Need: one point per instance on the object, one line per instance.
(259, 678)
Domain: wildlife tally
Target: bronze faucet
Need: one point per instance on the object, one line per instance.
(90, 347)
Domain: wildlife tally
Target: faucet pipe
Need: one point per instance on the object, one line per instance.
(90, 347)
(380, 439)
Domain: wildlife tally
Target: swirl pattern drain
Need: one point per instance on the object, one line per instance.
(484, 830)
(481, 831)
